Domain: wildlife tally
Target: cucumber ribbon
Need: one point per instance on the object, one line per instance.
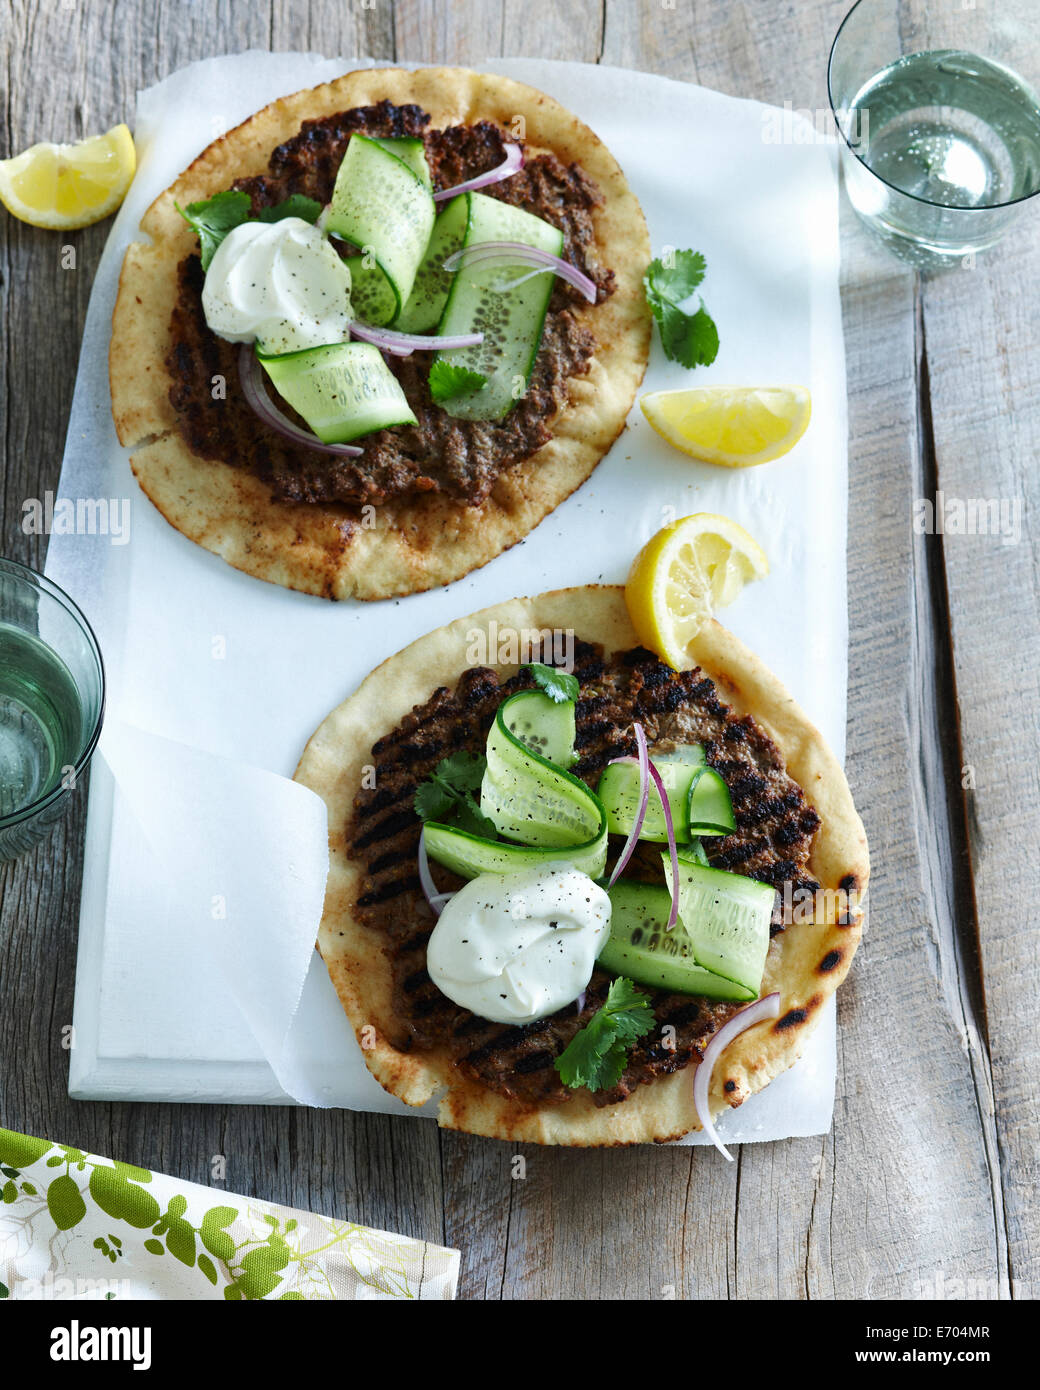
(383, 205)
(718, 946)
(725, 917)
(342, 390)
(546, 813)
(511, 317)
(698, 797)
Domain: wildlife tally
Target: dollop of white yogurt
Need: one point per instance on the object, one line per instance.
(280, 283)
(517, 947)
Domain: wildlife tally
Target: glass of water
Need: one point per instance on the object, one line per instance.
(936, 101)
(52, 699)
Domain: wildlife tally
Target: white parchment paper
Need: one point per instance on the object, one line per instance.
(196, 977)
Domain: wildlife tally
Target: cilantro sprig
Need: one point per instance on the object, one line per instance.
(447, 795)
(597, 1055)
(450, 379)
(560, 686)
(687, 337)
(212, 218)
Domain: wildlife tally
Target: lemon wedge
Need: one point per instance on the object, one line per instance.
(69, 186)
(683, 574)
(734, 426)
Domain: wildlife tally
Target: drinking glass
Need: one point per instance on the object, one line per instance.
(52, 699)
(940, 120)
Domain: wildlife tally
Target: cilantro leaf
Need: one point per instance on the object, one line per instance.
(296, 205)
(689, 338)
(447, 795)
(465, 771)
(674, 280)
(212, 218)
(560, 686)
(448, 379)
(433, 802)
(468, 816)
(596, 1056)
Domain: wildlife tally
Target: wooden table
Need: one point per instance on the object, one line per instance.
(929, 1175)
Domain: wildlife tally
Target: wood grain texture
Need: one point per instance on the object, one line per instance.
(984, 368)
(932, 1162)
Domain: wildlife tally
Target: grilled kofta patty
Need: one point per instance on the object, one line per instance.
(772, 843)
(460, 458)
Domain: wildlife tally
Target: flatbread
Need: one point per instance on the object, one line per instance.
(806, 962)
(410, 544)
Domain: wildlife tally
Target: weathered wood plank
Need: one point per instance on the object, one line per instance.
(909, 1152)
(454, 33)
(460, 32)
(355, 30)
(984, 361)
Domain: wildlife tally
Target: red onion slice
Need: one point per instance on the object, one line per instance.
(666, 806)
(250, 375)
(513, 161)
(644, 797)
(518, 253)
(766, 1007)
(404, 344)
(435, 898)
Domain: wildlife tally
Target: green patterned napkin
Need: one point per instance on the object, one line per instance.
(73, 1225)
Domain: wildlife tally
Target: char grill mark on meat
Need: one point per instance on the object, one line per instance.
(459, 458)
(771, 843)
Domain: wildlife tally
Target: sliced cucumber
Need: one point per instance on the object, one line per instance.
(709, 809)
(480, 300)
(409, 151)
(726, 918)
(343, 390)
(529, 798)
(641, 947)
(381, 206)
(525, 791)
(618, 789)
(470, 855)
(545, 726)
(429, 294)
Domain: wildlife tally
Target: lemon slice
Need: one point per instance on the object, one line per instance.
(683, 574)
(69, 186)
(735, 426)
